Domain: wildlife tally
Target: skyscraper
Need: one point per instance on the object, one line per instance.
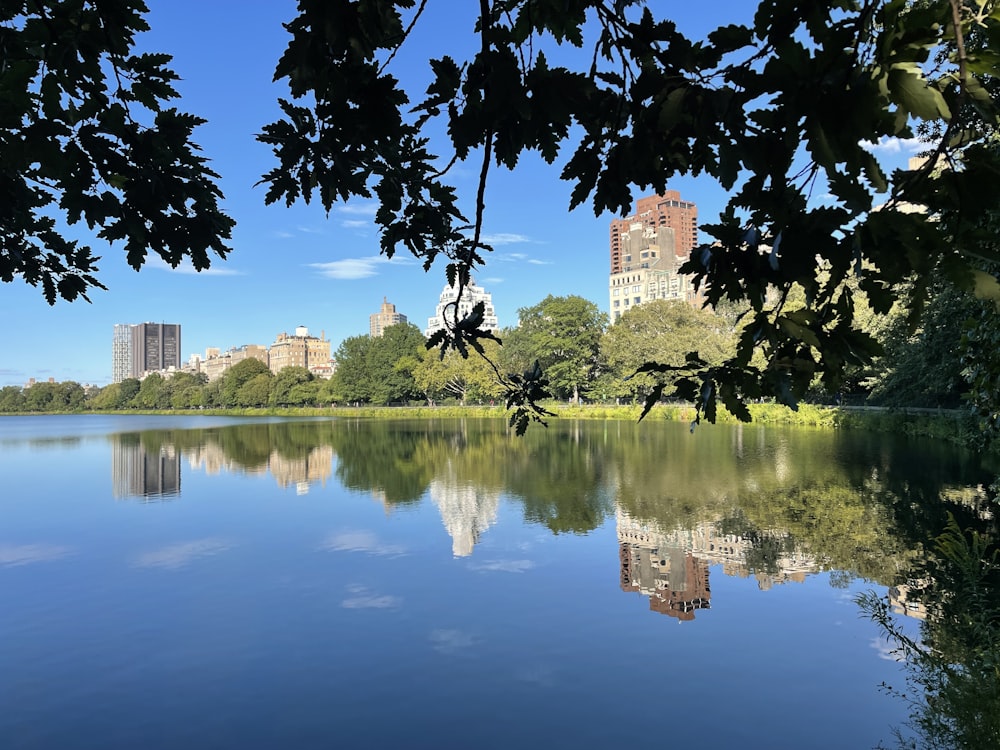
(471, 296)
(121, 353)
(387, 316)
(653, 212)
(155, 346)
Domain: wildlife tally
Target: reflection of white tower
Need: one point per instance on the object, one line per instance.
(467, 511)
(471, 295)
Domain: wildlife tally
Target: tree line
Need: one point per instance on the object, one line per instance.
(583, 357)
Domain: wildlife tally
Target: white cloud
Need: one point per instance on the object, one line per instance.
(505, 238)
(357, 268)
(282, 235)
(364, 599)
(492, 280)
(358, 209)
(218, 267)
(14, 555)
(355, 223)
(536, 262)
(309, 230)
(504, 566)
(893, 145)
(361, 541)
(177, 556)
(887, 650)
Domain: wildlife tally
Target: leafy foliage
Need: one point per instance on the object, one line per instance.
(774, 111)
(85, 137)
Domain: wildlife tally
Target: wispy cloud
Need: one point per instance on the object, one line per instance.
(355, 224)
(492, 280)
(282, 235)
(14, 555)
(218, 267)
(505, 238)
(364, 599)
(357, 209)
(309, 230)
(356, 268)
(886, 650)
(504, 566)
(537, 262)
(361, 541)
(893, 145)
(177, 556)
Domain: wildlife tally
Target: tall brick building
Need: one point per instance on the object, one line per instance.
(653, 212)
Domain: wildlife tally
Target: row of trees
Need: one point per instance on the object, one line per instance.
(582, 356)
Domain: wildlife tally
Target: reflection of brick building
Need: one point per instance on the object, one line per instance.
(675, 581)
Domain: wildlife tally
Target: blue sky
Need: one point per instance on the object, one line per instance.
(298, 266)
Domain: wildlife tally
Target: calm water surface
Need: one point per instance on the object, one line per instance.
(210, 583)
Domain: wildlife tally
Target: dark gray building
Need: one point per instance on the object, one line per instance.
(155, 346)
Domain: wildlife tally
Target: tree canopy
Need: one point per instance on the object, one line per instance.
(778, 112)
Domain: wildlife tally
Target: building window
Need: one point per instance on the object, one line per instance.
(617, 304)
(637, 300)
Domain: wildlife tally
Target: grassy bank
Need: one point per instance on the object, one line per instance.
(954, 426)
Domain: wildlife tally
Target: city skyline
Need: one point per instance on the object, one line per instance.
(296, 263)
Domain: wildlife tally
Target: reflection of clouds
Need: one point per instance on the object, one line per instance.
(887, 649)
(365, 599)
(361, 541)
(178, 555)
(451, 641)
(12, 555)
(504, 566)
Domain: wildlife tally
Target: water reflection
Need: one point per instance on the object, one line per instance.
(331, 596)
(139, 471)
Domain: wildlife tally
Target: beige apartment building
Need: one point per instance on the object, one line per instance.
(299, 350)
(650, 270)
(387, 316)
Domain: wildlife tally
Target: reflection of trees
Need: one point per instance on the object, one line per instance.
(953, 670)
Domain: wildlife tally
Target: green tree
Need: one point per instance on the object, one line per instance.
(11, 399)
(128, 389)
(924, 367)
(390, 359)
(283, 388)
(353, 380)
(255, 392)
(662, 331)
(153, 393)
(774, 111)
(458, 377)
(563, 335)
(236, 377)
(86, 137)
(770, 110)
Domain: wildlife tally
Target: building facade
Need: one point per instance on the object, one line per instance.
(148, 347)
(155, 347)
(387, 316)
(121, 353)
(471, 296)
(649, 270)
(653, 212)
(299, 350)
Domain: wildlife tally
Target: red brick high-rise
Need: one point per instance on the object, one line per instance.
(667, 210)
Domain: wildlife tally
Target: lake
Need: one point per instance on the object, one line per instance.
(207, 582)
